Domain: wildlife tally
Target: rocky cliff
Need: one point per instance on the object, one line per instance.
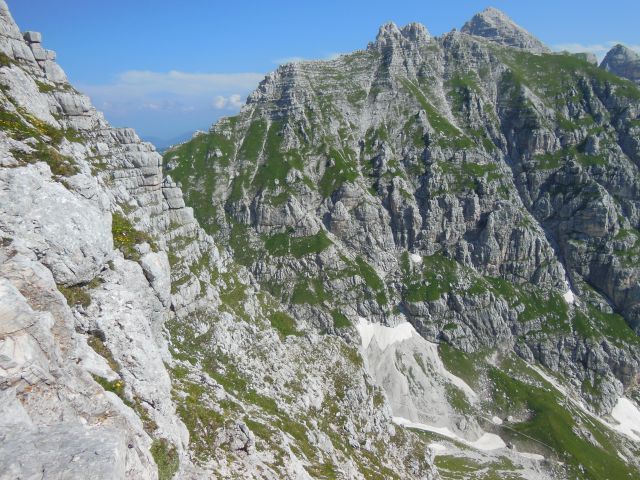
(413, 261)
(131, 347)
(469, 199)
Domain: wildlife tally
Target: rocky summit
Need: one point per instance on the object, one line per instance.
(419, 260)
(624, 62)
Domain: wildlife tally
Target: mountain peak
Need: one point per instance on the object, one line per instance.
(495, 25)
(624, 62)
(389, 34)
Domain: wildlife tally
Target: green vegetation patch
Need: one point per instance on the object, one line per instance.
(538, 303)
(115, 386)
(76, 295)
(554, 75)
(554, 160)
(464, 365)
(126, 237)
(596, 324)
(45, 87)
(6, 60)
(311, 292)
(166, 458)
(461, 88)
(339, 319)
(554, 427)
(284, 324)
(201, 420)
(451, 467)
(101, 349)
(450, 136)
(466, 175)
(343, 169)
(437, 276)
(282, 244)
(21, 126)
(201, 165)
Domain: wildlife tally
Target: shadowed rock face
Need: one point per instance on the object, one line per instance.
(624, 62)
(498, 27)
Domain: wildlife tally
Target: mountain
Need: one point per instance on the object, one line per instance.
(624, 62)
(498, 27)
(472, 195)
(131, 344)
(415, 261)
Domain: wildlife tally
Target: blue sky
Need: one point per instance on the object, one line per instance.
(168, 68)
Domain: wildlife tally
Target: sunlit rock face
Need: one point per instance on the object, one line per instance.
(383, 267)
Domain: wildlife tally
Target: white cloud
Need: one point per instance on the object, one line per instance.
(219, 102)
(599, 49)
(235, 101)
(139, 90)
(232, 102)
(282, 61)
(136, 82)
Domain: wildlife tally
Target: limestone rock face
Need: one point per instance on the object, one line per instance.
(498, 27)
(624, 62)
(473, 189)
(107, 283)
(70, 234)
(435, 232)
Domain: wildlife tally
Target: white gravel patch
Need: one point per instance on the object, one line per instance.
(628, 416)
(415, 258)
(438, 448)
(488, 441)
(532, 456)
(383, 336)
(569, 297)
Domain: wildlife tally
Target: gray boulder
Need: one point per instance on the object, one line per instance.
(32, 37)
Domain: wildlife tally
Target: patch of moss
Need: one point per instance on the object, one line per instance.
(339, 319)
(166, 458)
(126, 237)
(76, 295)
(282, 244)
(284, 324)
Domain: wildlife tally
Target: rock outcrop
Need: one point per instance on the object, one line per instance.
(624, 62)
